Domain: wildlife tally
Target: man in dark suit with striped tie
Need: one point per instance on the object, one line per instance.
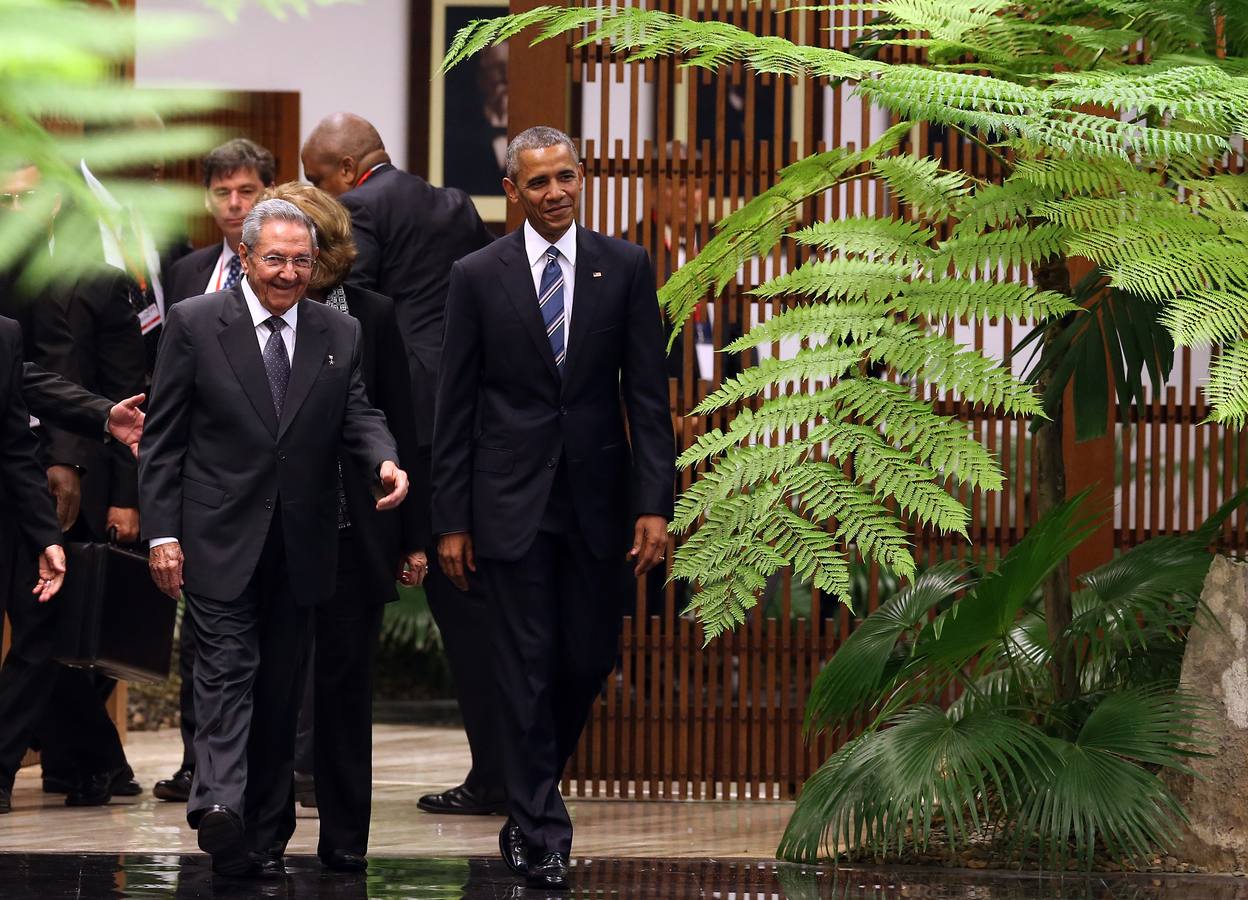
(553, 467)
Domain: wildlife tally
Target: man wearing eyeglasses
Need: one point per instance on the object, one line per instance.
(254, 394)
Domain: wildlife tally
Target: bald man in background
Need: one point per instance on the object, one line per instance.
(409, 234)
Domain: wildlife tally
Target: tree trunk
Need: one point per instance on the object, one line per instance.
(1049, 487)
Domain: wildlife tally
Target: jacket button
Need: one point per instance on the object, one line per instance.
(268, 504)
(281, 457)
(550, 463)
(563, 410)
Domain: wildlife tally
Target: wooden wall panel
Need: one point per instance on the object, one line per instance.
(680, 720)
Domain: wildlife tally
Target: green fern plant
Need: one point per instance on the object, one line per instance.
(1105, 158)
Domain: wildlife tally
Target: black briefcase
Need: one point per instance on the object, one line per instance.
(111, 615)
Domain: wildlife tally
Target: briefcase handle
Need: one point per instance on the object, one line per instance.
(115, 547)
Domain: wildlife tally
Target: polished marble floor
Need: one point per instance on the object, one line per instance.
(57, 876)
(407, 762)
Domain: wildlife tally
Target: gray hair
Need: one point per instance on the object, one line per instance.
(539, 137)
(274, 211)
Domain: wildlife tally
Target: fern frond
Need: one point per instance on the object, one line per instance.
(844, 321)
(1217, 263)
(1227, 389)
(1212, 317)
(1104, 177)
(812, 550)
(943, 443)
(999, 205)
(824, 362)
(828, 495)
(737, 469)
(841, 279)
(881, 239)
(934, 358)
(1021, 245)
(758, 226)
(921, 184)
(955, 297)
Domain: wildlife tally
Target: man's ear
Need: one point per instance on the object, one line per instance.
(510, 189)
(243, 257)
(348, 167)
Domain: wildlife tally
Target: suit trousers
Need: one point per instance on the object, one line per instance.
(463, 619)
(186, 691)
(338, 735)
(248, 676)
(557, 618)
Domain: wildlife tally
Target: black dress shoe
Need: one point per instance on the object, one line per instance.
(124, 783)
(512, 845)
(94, 790)
(550, 874)
(220, 834)
(176, 789)
(461, 801)
(268, 865)
(344, 861)
(6, 801)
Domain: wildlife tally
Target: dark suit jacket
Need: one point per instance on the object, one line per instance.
(112, 361)
(384, 538)
(58, 401)
(408, 233)
(188, 277)
(505, 414)
(24, 499)
(48, 342)
(215, 461)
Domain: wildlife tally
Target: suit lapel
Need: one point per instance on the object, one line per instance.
(584, 309)
(311, 342)
(238, 340)
(518, 284)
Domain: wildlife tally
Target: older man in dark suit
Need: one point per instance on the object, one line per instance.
(408, 233)
(552, 448)
(255, 392)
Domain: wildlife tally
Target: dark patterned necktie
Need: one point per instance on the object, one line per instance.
(276, 363)
(233, 272)
(550, 302)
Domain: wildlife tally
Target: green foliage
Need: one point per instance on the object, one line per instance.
(1007, 759)
(1102, 158)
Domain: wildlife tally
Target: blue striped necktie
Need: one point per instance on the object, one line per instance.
(550, 302)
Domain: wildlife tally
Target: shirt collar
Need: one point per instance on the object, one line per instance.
(259, 314)
(535, 245)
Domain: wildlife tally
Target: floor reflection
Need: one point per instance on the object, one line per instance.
(56, 876)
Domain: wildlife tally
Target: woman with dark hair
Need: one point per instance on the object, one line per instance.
(375, 550)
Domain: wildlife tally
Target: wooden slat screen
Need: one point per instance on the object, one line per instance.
(678, 720)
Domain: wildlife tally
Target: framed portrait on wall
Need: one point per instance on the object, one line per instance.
(468, 109)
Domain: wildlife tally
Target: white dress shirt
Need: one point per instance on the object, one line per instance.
(216, 281)
(535, 247)
(259, 317)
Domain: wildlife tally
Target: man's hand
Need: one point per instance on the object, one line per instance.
(414, 568)
(51, 572)
(649, 543)
(165, 563)
(126, 520)
(66, 487)
(394, 480)
(125, 422)
(456, 558)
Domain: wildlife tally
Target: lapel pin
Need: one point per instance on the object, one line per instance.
(329, 360)
(597, 274)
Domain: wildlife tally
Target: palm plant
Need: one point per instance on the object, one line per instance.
(1011, 760)
(1108, 158)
